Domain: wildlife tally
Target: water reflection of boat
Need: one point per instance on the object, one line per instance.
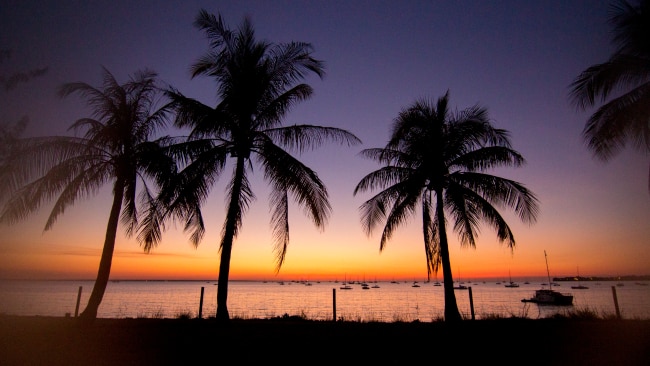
(550, 296)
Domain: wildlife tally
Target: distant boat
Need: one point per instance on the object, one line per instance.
(550, 296)
(345, 284)
(511, 283)
(460, 284)
(579, 286)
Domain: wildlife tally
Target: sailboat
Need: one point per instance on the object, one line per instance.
(460, 284)
(549, 296)
(579, 286)
(437, 283)
(511, 283)
(345, 284)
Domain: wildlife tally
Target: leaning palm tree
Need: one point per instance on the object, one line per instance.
(117, 147)
(437, 159)
(258, 82)
(622, 83)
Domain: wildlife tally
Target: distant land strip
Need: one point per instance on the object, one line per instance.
(616, 278)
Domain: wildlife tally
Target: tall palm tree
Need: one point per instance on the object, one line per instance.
(622, 83)
(258, 82)
(436, 159)
(117, 147)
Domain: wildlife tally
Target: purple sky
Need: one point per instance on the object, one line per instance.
(517, 58)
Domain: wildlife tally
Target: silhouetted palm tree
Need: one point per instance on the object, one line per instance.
(435, 152)
(622, 83)
(117, 147)
(258, 82)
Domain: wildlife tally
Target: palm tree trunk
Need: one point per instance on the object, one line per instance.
(90, 313)
(234, 211)
(451, 307)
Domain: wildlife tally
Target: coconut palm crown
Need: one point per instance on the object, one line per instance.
(436, 160)
(258, 83)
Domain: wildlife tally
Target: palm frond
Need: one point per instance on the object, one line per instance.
(501, 191)
(287, 173)
(430, 235)
(279, 202)
(470, 209)
(278, 105)
(240, 206)
(382, 178)
(598, 82)
(403, 207)
(302, 137)
(487, 158)
(621, 120)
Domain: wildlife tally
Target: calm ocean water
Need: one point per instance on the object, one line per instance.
(386, 302)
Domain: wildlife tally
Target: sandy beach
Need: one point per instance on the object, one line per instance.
(65, 341)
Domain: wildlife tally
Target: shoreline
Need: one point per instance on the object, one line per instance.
(539, 278)
(40, 340)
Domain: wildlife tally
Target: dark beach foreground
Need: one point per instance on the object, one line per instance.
(294, 341)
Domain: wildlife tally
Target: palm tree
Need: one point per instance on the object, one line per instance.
(117, 147)
(436, 159)
(622, 83)
(258, 82)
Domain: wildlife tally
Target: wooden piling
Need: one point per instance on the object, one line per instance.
(471, 302)
(201, 303)
(333, 304)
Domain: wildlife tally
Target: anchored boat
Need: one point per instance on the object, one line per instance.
(549, 296)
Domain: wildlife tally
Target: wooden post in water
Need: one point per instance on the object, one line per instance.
(618, 312)
(471, 301)
(76, 310)
(201, 303)
(334, 304)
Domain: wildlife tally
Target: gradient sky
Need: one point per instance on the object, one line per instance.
(517, 58)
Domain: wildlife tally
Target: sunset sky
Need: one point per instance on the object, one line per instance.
(517, 58)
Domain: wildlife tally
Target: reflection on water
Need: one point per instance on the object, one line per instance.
(382, 301)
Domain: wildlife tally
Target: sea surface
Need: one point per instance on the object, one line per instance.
(386, 301)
